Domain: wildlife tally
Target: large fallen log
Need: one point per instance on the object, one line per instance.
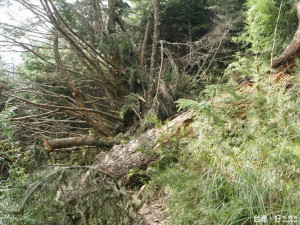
(122, 158)
(293, 48)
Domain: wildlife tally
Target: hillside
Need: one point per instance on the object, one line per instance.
(150, 112)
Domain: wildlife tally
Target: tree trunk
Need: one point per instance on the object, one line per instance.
(51, 145)
(111, 24)
(98, 17)
(154, 55)
(122, 158)
(293, 48)
(146, 36)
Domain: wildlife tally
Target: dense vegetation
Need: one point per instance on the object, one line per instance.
(244, 162)
(98, 73)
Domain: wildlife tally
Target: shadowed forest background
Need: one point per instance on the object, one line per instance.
(150, 112)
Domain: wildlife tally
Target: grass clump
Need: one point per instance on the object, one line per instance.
(242, 161)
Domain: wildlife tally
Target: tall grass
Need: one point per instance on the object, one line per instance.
(241, 162)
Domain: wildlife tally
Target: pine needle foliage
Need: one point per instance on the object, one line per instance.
(69, 195)
(12, 157)
(258, 35)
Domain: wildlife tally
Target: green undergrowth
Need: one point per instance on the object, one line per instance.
(240, 163)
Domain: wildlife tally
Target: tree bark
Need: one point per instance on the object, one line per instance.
(146, 36)
(154, 55)
(293, 48)
(51, 145)
(98, 17)
(111, 24)
(122, 158)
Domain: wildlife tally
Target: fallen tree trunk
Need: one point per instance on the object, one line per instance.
(122, 158)
(293, 48)
(50, 145)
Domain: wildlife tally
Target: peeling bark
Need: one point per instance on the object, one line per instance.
(293, 48)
